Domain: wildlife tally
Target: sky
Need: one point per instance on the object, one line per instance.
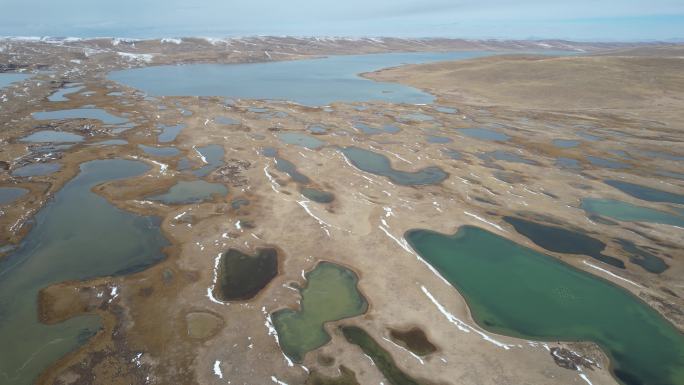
(606, 20)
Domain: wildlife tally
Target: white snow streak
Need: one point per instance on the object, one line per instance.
(612, 274)
(460, 324)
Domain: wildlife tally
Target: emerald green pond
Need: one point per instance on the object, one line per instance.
(517, 291)
(330, 295)
(77, 235)
(624, 211)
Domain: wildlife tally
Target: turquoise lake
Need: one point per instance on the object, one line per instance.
(517, 291)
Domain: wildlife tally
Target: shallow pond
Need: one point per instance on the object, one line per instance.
(60, 94)
(185, 192)
(437, 139)
(7, 78)
(317, 195)
(312, 82)
(238, 203)
(390, 128)
(290, 169)
(11, 194)
(453, 154)
(367, 129)
(416, 117)
(104, 240)
(568, 163)
(671, 174)
(111, 142)
(590, 137)
(269, 152)
(663, 155)
(317, 129)
(645, 193)
(379, 164)
(242, 276)
(607, 163)
(566, 143)
(330, 295)
(37, 169)
(159, 151)
(80, 113)
(639, 256)
(484, 134)
(445, 110)
(562, 240)
(303, 140)
(507, 157)
(513, 290)
(169, 132)
(624, 211)
(52, 136)
(212, 157)
(226, 120)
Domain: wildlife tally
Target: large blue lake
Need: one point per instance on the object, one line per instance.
(312, 82)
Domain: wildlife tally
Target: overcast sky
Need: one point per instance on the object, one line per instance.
(515, 19)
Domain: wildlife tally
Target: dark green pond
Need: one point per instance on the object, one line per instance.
(379, 164)
(317, 195)
(639, 256)
(77, 235)
(381, 357)
(242, 276)
(414, 340)
(517, 291)
(561, 240)
(330, 295)
(646, 193)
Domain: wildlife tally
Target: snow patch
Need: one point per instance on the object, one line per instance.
(217, 369)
